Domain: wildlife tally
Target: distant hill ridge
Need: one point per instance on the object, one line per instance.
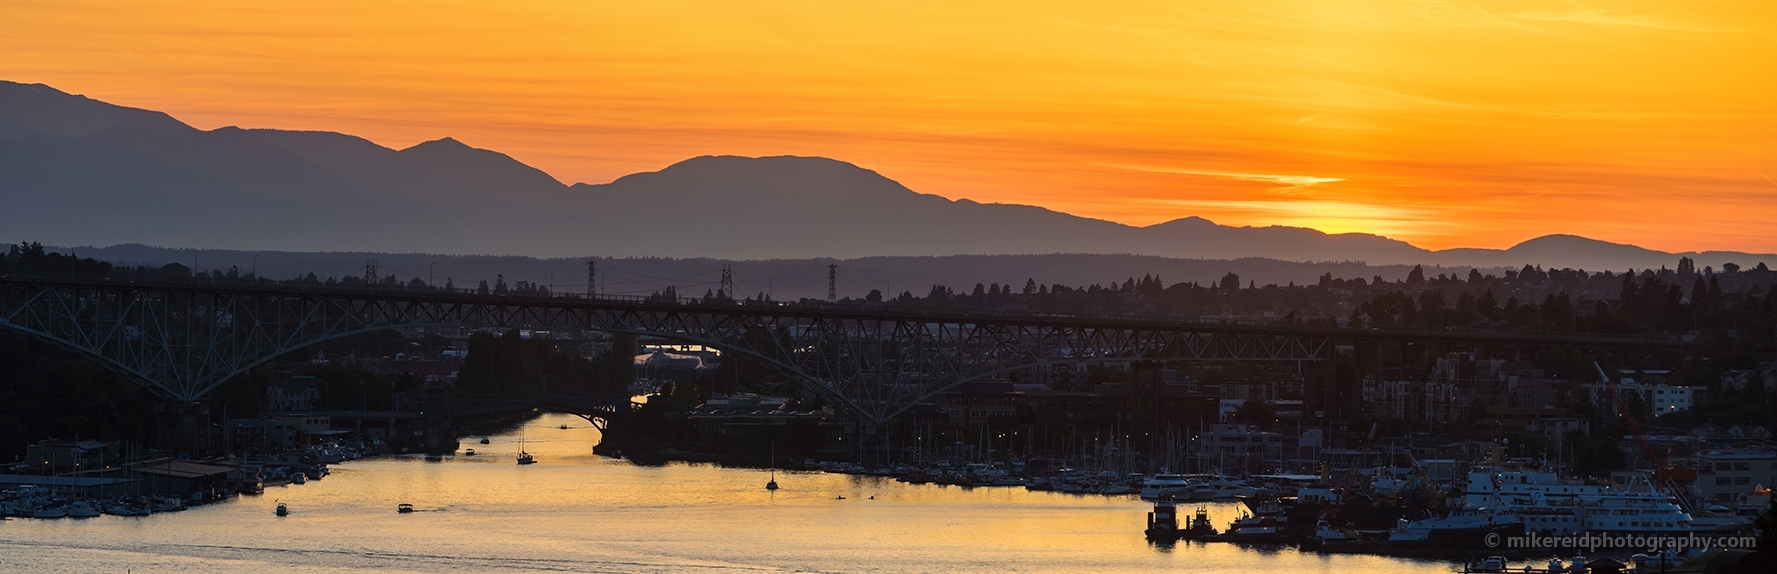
(76, 171)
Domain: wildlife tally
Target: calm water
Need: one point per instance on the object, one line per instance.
(576, 512)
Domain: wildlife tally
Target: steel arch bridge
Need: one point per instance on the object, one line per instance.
(184, 340)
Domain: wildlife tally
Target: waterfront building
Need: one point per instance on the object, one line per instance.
(189, 480)
(1551, 423)
(984, 403)
(1660, 398)
(62, 454)
(292, 394)
(1724, 475)
(1243, 446)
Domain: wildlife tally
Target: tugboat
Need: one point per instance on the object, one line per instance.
(283, 510)
(1200, 527)
(1163, 521)
(404, 508)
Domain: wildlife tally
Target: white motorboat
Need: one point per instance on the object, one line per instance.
(1166, 485)
(1461, 527)
(122, 509)
(50, 512)
(82, 509)
(1488, 564)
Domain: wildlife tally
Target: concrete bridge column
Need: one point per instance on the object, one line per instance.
(871, 446)
(180, 428)
(436, 427)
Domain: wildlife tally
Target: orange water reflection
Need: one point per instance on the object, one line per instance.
(574, 511)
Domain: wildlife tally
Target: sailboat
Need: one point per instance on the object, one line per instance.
(773, 484)
(523, 457)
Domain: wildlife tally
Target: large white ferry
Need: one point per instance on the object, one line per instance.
(1549, 505)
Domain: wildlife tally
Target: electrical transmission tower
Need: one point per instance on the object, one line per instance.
(832, 280)
(727, 288)
(591, 279)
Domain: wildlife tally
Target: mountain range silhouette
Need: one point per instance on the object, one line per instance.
(77, 171)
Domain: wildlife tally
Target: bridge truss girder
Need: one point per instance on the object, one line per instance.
(184, 342)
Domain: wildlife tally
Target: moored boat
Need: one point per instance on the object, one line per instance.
(1163, 520)
(1166, 485)
(50, 512)
(82, 509)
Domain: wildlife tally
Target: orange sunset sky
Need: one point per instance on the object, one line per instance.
(1443, 123)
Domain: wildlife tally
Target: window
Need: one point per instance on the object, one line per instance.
(1742, 466)
(1723, 481)
(1742, 480)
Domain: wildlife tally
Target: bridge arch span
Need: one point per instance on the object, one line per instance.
(183, 340)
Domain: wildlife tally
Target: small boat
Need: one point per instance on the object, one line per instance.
(1488, 564)
(168, 504)
(121, 509)
(283, 510)
(404, 508)
(82, 509)
(299, 478)
(523, 457)
(772, 484)
(50, 512)
(1265, 526)
(483, 440)
(564, 427)
(469, 452)
(840, 497)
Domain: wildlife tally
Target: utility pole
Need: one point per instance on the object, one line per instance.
(832, 280)
(592, 278)
(727, 287)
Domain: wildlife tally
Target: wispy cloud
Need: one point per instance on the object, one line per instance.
(1288, 180)
(1328, 216)
(1581, 14)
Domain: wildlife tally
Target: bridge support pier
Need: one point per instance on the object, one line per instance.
(180, 428)
(871, 447)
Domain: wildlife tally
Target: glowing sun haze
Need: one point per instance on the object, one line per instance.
(1445, 124)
